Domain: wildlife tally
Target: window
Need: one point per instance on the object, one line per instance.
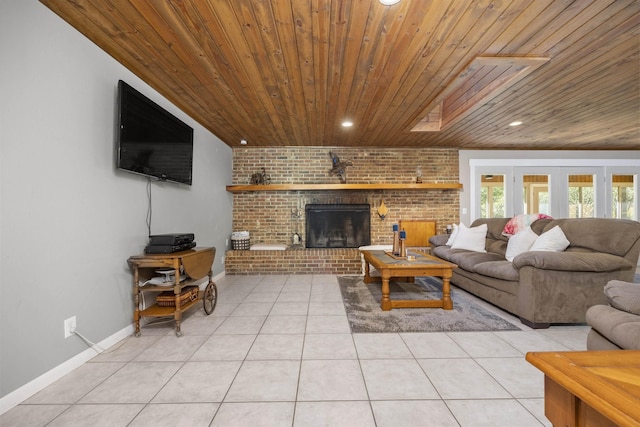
(622, 197)
(492, 196)
(581, 196)
(535, 194)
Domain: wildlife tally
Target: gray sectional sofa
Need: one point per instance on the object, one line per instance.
(540, 287)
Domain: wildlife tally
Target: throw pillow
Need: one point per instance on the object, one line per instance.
(472, 239)
(624, 296)
(552, 240)
(454, 233)
(520, 242)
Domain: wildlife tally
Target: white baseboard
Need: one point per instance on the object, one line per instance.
(23, 393)
(26, 391)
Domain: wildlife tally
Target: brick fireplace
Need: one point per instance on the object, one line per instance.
(274, 216)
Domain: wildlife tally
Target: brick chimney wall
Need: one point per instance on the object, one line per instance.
(270, 217)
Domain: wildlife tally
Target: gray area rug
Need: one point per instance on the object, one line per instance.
(362, 303)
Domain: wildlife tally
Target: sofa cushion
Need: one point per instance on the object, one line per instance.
(520, 242)
(497, 247)
(468, 260)
(624, 296)
(619, 327)
(446, 253)
(472, 239)
(439, 239)
(552, 240)
(608, 235)
(494, 227)
(498, 269)
(572, 261)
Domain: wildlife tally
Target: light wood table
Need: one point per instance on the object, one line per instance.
(590, 388)
(422, 265)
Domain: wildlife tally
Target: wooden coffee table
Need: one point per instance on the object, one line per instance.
(590, 388)
(422, 265)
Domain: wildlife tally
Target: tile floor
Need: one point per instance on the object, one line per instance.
(278, 351)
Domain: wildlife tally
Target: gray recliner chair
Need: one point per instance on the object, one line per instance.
(616, 326)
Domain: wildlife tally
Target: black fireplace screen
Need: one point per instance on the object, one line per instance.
(337, 226)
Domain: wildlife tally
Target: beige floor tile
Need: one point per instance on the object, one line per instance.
(73, 386)
(224, 347)
(31, 415)
(289, 309)
(97, 416)
(396, 379)
(276, 347)
(199, 382)
(249, 325)
(329, 346)
(484, 344)
(284, 325)
(262, 381)
(171, 349)
(412, 413)
(134, 383)
(462, 379)
(252, 308)
(334, 414)
(266, 414)
(176, 415)
(516, 375)
(331, 380)
(381, 346)
(491, 413)
(328, 325)
(433, 345)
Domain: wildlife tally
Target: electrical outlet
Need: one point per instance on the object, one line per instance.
(222, 259)
(226, 243)
(69, 326)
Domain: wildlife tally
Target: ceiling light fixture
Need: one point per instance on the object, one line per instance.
(389, 2)
(516, 123)
(243, 142)
(347, 124)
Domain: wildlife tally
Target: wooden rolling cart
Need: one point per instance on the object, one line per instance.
(195, 263)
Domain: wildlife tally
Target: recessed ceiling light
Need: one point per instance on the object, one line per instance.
(347, 124)
(243, 142)
(516, 123)
(389, 2)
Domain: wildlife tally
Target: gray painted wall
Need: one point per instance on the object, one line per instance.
(69, 220)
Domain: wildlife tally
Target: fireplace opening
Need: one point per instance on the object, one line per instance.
(337, 226)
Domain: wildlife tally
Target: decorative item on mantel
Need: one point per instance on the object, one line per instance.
(382, 210)
(260, 178)
(339, 167)
(418, 175)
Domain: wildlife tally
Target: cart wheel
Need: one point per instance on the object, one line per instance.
(210, 298)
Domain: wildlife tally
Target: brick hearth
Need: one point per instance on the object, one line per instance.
(302, 261)
(268, 216)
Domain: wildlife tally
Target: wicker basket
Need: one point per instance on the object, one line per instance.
(240, 244)
(168, 298)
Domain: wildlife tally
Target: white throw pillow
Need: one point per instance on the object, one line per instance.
(472, 239)
(520, 242)
(454, 233)
(552, 240)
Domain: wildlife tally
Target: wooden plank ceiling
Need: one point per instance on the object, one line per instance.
(288, 72)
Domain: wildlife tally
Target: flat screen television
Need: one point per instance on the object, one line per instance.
(150, 140)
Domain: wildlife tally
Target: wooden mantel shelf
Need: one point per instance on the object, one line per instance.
(324, 187)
